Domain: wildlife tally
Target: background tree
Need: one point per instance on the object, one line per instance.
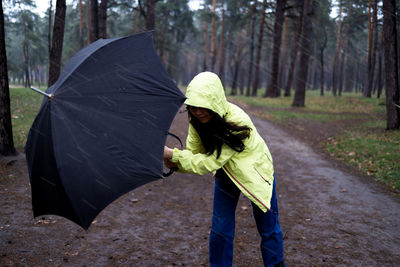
(295, 45)
(301, 83)
(6, 136)
(391, 65)
(272, 89)
(103, 19)
(57, 42)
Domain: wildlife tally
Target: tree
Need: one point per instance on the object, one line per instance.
(300, 94)
(149, 14)
(213, 33)
(94, 21)
(391, 65)
(273, 89)
(57, 42)
(295, 47)
(253, 25)
(338, 50)
(81, 43)
(221, 49)
(103, 19)
(259, 46)
(6, 136)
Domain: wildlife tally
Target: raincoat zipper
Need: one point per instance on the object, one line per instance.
(233, 177)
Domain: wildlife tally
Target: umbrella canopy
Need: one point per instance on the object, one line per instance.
(102, 131)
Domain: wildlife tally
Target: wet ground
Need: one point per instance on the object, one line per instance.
(330, 216)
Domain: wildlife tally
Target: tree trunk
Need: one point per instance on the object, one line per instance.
(272, 89)
(391, 65)
(103, 19)
(375, 44)
(259, 45)
(322, 48)
(94, 21)
(283, 57)
(238, 53)
(88, 27)
(221, 50)
(6, 135)
(295, 47)
(25, 50)
(57, 42)
(136, 26)
(253, 25)
(49, 26)
(213, 34)
(205, 29)
(380, 76)
(150, 14)
(337, 53)
(81, 41)
(300, 95)
(370, 77)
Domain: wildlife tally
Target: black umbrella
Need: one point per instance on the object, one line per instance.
(101, 130)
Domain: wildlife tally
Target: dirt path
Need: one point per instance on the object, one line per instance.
(329, 217)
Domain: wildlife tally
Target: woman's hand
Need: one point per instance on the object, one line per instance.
(168, 152)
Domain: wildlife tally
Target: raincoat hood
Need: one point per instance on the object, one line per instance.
(206, 91)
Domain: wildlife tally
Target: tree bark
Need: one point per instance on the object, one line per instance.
(375, 42)
(49, 26)
(259, 46)
(205, 29)
(283, 57)
(272, 89)
(81, 41)
(337, 53)
(322, 49)
(370, 77)
(88, 27)
(25, 49)
(391, 65)
(221, 50)
(253, 25)
(213, 34)
(6, 135)
(103, 19)
(57, 42)
(380, 57)
(150, 14)
(94, 21)
(295, 48)
(300, 94)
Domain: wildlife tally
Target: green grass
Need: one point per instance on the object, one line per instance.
(25, 105)
(376, 154)
(365, 144)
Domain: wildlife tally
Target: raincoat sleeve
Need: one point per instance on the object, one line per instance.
(193, 141)
(201, 163)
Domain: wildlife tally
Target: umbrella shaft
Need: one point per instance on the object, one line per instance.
(41, 92)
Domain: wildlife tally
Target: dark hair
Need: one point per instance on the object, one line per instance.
(218, 131)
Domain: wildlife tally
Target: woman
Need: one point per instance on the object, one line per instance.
(223, 140)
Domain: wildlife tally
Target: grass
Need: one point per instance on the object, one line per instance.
(363, 144)
(376, 153)
(25, 105)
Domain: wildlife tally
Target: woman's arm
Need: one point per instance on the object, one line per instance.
(201, 163)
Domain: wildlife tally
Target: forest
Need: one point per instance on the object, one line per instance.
(258, 48)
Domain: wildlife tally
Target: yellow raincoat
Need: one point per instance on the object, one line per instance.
(252, 169)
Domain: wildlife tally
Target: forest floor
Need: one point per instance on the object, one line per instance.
(329, 213)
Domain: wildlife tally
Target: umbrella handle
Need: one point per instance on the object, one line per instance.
(171, 171)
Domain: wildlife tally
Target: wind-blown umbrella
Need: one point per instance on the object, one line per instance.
(101, 130)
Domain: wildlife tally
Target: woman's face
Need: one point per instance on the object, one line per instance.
(201, 114)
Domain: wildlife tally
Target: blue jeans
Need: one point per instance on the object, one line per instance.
(226, 196)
